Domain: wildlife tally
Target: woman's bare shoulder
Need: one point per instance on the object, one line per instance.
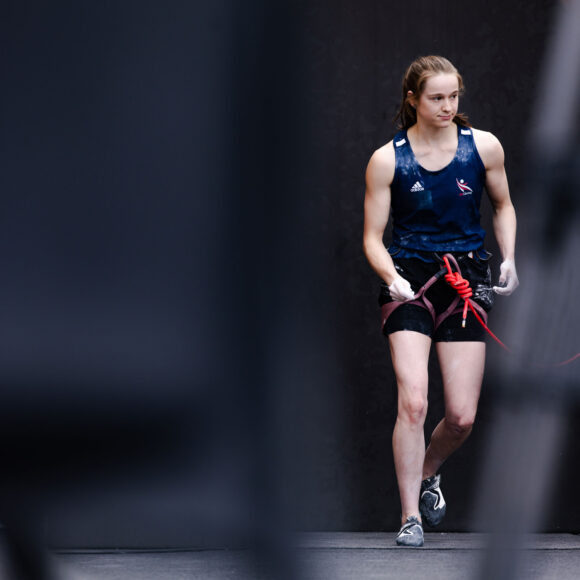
(488, 146)
(384, 157)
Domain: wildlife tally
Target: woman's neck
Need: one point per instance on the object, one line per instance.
(436, 136)
(434, 148)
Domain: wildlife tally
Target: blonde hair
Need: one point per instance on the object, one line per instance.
(414, 80)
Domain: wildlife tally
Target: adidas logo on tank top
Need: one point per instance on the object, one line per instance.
(417, 187)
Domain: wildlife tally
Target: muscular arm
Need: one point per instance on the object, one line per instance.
(379, 176)
(504, 215)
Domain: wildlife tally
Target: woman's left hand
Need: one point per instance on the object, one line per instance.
(508, 278)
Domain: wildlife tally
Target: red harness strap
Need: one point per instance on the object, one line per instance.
(457, 281)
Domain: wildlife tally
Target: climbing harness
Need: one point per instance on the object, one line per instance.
(421, 300)
(464, 292)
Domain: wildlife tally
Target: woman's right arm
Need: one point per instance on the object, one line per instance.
(379, 176)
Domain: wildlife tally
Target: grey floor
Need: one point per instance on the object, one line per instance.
(336, 556)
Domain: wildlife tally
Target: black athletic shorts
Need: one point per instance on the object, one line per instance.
(474, 267)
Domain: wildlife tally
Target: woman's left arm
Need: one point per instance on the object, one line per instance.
(504, 215)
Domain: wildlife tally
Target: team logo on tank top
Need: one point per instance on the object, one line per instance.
(463, 187)
(417, 187)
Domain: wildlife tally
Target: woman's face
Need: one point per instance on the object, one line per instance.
(437, 105)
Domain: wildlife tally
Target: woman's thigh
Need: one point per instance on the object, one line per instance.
(462, 365)
(410, 357)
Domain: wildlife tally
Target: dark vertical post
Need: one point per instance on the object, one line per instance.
(532, 392)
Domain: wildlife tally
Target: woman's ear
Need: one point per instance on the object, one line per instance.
(411, 99)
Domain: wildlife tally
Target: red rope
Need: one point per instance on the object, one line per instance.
(488, 329)
(461, 285)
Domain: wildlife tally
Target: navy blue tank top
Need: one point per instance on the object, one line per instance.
(436, 211)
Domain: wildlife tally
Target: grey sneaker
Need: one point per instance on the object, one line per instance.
(431, 503)
(411, 533)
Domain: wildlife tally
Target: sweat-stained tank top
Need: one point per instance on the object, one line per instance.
(436, 211)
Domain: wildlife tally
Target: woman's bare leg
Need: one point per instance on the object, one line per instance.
(410, 356)
(462, 365)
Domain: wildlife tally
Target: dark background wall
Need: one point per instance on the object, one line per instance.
(181, 245)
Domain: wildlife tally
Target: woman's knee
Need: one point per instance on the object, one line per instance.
(413, 409)
(460, 423)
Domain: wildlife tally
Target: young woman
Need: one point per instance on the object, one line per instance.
(432, 175)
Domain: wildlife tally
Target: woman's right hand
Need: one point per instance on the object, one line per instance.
(401, 290)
